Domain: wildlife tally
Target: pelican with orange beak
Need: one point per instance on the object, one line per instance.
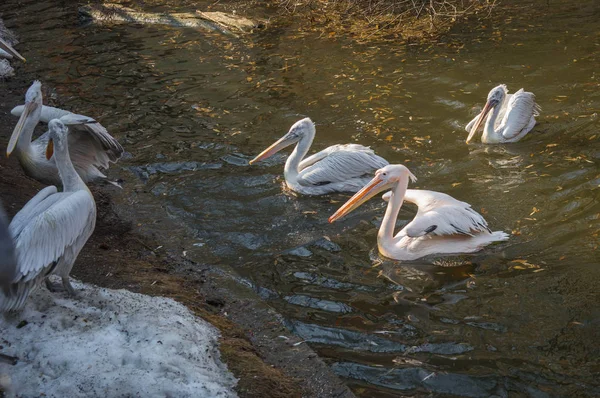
(91, 147)
(338, 168)
(52, 228)
(442, 225)
(509, 116)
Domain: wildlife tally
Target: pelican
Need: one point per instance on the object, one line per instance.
(50, 230)
(339, 168)
(10, 51)
(442, 224)
(91, 146)
(512, 117)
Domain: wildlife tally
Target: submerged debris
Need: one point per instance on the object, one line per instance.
(214, 21)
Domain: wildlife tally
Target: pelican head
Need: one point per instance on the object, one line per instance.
(58, 133)
(32, 108)
(8, 48)
(300, 129)
(385, 178)
(495, 98)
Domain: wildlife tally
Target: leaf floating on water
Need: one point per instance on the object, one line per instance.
(524, 264)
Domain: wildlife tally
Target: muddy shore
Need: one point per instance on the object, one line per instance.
(118, 256)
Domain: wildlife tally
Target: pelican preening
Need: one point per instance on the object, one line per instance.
(50, 230)
(10, 51)
(91, 147)
(339, 168)
(442, 224)
(512, 117)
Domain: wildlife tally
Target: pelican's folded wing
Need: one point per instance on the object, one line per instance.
(53, 225)
(520, 110)
(340, 163)
(446, 220)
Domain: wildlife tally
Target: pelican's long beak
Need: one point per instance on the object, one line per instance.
(8, 48)
(27, 110)
(489, 105)
(273, 149)
(50, 149)
(374, 186)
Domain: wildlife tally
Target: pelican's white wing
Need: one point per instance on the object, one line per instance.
(30, 210)
(441, 214)
(51, 227)
(48, 112)
(339, 163)
(446, 220)
(521, 109)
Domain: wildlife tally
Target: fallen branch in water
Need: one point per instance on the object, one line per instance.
(214, 21)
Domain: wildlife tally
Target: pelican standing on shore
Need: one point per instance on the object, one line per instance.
(91, 147)
(512, 117)
(339, 168)
(442, 224)
(50, 230)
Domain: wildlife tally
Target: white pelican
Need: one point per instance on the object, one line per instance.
(91, 146)
(53, 226)
(9, 50)
(339, 168)
(512, 117)
(442, 224)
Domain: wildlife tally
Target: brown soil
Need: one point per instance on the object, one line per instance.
(116, 256)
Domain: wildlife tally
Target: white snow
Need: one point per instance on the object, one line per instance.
(110, 343)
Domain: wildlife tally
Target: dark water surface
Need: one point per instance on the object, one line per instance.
(520, 318)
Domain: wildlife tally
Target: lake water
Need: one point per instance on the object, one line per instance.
(519, 318)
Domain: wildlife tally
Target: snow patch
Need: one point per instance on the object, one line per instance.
(110, 343)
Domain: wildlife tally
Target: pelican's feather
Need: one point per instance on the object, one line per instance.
(53, 225)
(521, 112)
(339, 163)
(441, 214)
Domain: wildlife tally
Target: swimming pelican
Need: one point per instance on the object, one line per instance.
(53, 226)
(91, 146)
(10, 51)
(442, 224)
(513, 116)
(339, 168)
